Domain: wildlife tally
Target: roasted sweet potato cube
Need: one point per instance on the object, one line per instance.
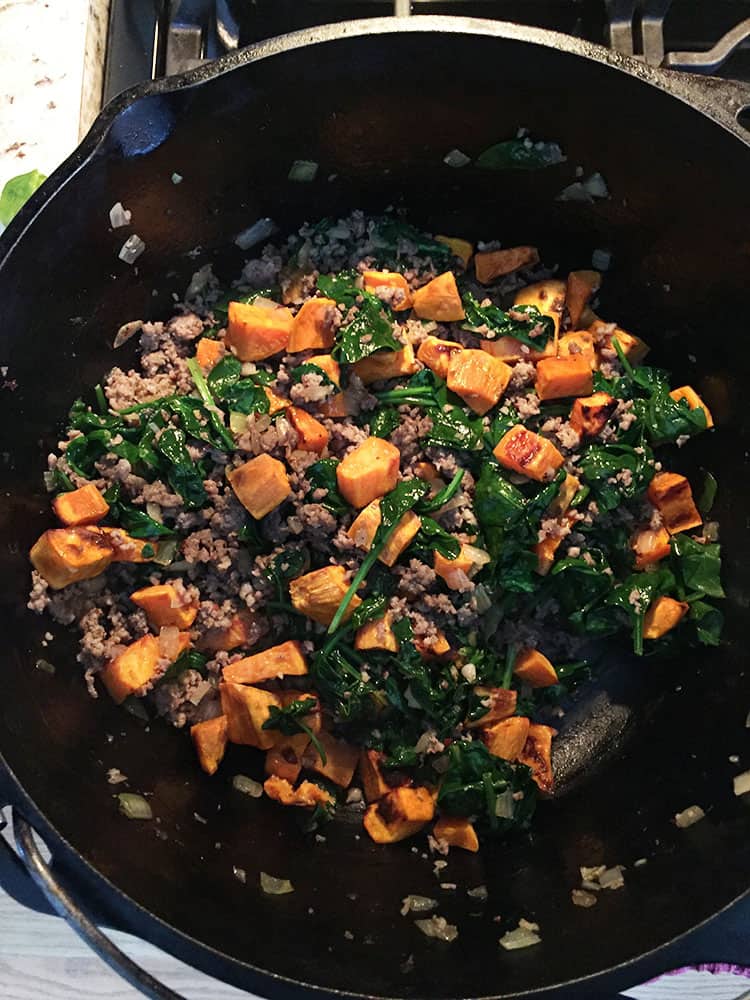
(209, 353)
(545, 552)
(454, 571)
(336, 407)
(428, 473)
(557, 378)
(662, 616)
(307, 795)
(548, 297)
(478, 378)
(589, 414)
(688, 393)
(260, 485)
(80, 507)
(255, 332)
(533, 668)
(439, 300)
(275, 403)
(402, 536)
(284, 660)
(284, 762)
(500, 702)
(579, 344)
(377, 634)
(528, 454)
(328, 365)
(341, 760)
(246, 709)
(318, 594)
(433, 647)
(390, 286)
(570, 486)
(580, 287)
(634, 349)
(537, 755)
(68, 555)
(127, 549)
(241, 631)
(650, 545)
(399, 814)
(370, 470)
(507, 738)
(365, 524)
(670, 493)
(491, 264)
(163, 606)
(436, 354)
(458, 247)
(387, 364)
(457, 831)
(314, 326)
(506, 349)
(374, 784)
(210, 740)
(311, 434)
(136, 666)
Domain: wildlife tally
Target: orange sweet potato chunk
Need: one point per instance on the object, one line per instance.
(694, 401)
(439, 300)
(400, 296)
(579, 343)
(137, 665)
(260, 484)
(436, 354)
(557, 378)
(308, 794)
(246, 709)
(341, 760)
(164, 607)
(209, 353)
(537, 755)
(377, 634)
(370, 470)
(649, 546)
(528, 454)
(545, 553)
(313, 327)
(318, 594)
(589, 414)
(457, 831)
(453, 570)
(80, 507)
(548, 297)
(240, 631)
(255, 332)
(311, 434)
(374, 784)
(275, 403)
(662, 616)
(507, 738)
(580, 287)
(533, 668)
(500, 702)
(458, 247)
(670, 493)
(335, 407)
(478, 378)
(327, 364)
(68, 555)
(210, 741)
(492, 264)
(634, 349)
(433, 649)
(387, 364)
(127, 549)
(507, 349)
(284, 762)
(284, 660)
(399, 814)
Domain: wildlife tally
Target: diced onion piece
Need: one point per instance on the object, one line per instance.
(45, 666)
(132, 249)
(237, 422)
(478, 892)
(612, 878)
(469, 672)
(524, 936)
(119, 216)
(255, 234)
(711, 531)
(169, 642)
(575, 192)
(504, 807)
(166, 552)
(482, 599)
(686, 818)
(154, 512)
(275, 886)
(303, 171)
(593, 873)
(134, 806)
(601, 259)
(50, 480)
(580, 897)
(596, 186)
(263, 303)
(126, 331)
(247, 786)
(176, 178)
(438, 927)
(478, 556)
(455, 158)
(742, 783)
(417, 904)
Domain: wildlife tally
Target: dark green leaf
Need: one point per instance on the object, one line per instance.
(309, 368)
(322, 476)
(385, 420)
(492, 322)
(442, 497)
(520, 154)
(454, 429)
(698, 566)
(708, 622)
(369, 331)
(708, 494)
(432, 538)
(602, 463)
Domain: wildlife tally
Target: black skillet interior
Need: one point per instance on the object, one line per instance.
(379, 114)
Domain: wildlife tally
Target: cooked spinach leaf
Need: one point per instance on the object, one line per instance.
(520, 154)
(494, 322)
(454, 429)
(384, 421)
(698, 566)
(322, 476)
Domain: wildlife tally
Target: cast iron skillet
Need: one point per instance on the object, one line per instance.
(378, 104)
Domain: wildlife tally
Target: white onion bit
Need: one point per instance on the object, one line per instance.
(275, 886)
(176, 178)
(742, 783)
(241, 783)
(438, 927)
(131, 249)
(119, 216)
(255, 234)
(303, 171)
(455, 158)
(524, 936)
(689, 816)
(126, 331)
(417, 904)
(582, 898)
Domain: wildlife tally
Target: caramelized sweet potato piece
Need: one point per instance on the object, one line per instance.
(579, 344)
(336, 407)
(589, 414)
(210, 741)
(457, 831)
(533, 668)
(127, 549)
(478, 378)
(327, 364)
(399, 297)
(80, 507)
(246, 709)
(260, 485)
(694, 401)
(311, 434)
(374, 784)
(284, 660)
(255, 332)
(548, 297)
(435, 649)
(341, 760)
(458, 247)
(364, 526)
(507, 738)
(240, 632)
(387, 364)
(399, 814)
(670, 493)
(209, 353)
(649, 546)
(454, 570)
(662, 616)
(318, 594)
(308, 794)
(68, 555)
(377, 634)
(557, 378)
(313, 326)
(506, 349)
(580, 287)
(163, 606)
(284, 762)
(370, 470)
(491, 264)
(570, 486)
(501, 703)
(436, 354)
(528, 454)
(634, 349)
(136, 665)
(545, 552)
(275, 403)
(537, 754)
(439, 300)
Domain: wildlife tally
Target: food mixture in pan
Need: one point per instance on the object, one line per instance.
(369, 512)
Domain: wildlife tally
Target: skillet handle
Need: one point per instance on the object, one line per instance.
(15, 878)
(62, 904)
